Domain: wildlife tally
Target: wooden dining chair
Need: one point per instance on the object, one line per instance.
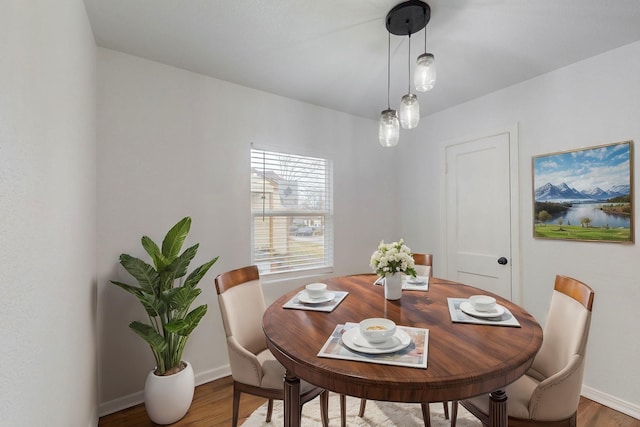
(421, 261)
(253, 368)
(424, 267)
(549, 393)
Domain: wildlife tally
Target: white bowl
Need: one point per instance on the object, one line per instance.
(482, 302)
(316, 290)
(377, 330)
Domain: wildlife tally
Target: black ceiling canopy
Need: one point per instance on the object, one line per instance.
(408, 17)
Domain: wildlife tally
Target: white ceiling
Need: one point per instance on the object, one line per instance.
(333, 53)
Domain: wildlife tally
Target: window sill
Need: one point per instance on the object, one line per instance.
(297, 274)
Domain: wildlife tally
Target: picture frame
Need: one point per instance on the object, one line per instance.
(584, 194)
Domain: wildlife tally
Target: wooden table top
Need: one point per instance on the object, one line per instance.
(464, 360)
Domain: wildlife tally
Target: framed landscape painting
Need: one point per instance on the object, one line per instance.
(584, 194)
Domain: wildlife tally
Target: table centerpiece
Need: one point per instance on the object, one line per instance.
(391, 261)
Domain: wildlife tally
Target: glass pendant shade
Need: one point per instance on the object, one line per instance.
(389, 128)
(424, 77)
(409, 111)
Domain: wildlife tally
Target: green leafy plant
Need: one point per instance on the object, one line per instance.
(165, 296)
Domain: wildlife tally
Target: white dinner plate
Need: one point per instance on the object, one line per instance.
(304, 298)
(352, 339)
(418, 280)
(468, 308)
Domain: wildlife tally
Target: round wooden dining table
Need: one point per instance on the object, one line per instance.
(464, 360)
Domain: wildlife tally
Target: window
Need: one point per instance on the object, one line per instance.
(291, 210)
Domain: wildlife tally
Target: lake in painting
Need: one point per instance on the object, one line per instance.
(593, 211)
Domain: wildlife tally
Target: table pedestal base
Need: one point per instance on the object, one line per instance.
(498, 409)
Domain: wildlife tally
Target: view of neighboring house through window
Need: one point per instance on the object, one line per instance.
(291, 209)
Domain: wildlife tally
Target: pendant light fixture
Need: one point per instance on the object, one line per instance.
(404, 19)
(409, 106)
(425, 74)
(389, 131)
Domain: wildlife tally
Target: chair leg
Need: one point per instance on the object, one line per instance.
(269, 410)
(343, 410)
(454, 412)
(363, 406)
(324, 408)
(426, 414)
(236, 407)
(445, 407)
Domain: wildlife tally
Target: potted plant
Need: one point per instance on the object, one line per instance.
(390, 261)
(167, 298)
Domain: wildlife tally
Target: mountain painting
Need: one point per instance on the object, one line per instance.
(584, 194)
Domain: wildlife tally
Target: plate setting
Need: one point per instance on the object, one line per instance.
(467, 308)
(352, 339)
(418, 280)
(304, 298)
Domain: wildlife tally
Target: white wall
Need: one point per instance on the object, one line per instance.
(47, 215)
(173, 143)
(593, 102)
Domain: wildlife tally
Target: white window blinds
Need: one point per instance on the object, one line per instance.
(291, 209)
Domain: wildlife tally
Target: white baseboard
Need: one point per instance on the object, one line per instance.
(611, 401)
(120, 403)
(213, 374)
(136, 398)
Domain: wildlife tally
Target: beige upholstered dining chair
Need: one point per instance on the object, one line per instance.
(424, 267)
(549, 393)
(253, 367)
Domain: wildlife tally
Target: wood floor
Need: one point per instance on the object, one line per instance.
(211, 407)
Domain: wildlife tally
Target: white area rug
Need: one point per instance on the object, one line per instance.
(377, 414)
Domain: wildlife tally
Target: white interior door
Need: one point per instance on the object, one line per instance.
(481, 212)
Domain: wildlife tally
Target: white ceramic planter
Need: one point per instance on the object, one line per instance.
(167, 399)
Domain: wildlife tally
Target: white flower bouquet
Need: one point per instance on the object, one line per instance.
(392, 258)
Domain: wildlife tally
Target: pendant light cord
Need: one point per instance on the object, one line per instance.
(409, 67)
(425, 39)
(388, 70)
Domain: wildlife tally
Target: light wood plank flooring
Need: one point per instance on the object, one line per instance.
(211, 407)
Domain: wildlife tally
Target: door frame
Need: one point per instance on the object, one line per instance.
(514, 188)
